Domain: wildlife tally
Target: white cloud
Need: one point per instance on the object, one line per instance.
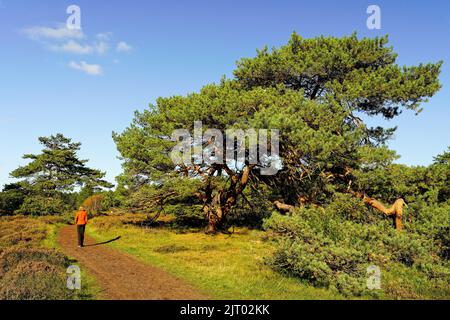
(122, 46)
(47, 33)
(104, 36)
(73, 41)
(91, 69)
(72, 47)
(101, 47)
(76, 48)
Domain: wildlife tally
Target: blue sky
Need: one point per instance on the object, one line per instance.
(87, 85)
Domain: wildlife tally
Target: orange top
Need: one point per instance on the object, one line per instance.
(81, 218)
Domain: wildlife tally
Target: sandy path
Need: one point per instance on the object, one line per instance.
(120, 275)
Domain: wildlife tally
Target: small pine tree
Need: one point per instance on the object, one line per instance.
(52, 174)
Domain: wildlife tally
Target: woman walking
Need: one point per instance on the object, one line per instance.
(81, 221)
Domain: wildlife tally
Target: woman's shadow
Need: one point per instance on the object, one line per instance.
(101, 243)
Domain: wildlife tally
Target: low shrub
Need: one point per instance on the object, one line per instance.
(332, 247)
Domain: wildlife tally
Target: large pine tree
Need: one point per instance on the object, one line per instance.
(313, 91)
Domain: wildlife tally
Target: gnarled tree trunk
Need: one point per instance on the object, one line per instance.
(217, 207)
(214, 217)
(396, 210)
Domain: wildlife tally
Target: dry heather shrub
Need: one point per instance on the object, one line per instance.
(27, 271)
(25, 237)
(400, 290)
(12, 257)
(34, 280)
(21, 231)
(51, 219)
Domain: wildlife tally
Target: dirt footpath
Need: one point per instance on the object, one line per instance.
(120, 275)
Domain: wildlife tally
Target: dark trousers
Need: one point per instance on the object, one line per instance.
(80, 232)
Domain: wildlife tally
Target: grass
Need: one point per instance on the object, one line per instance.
(221, 266)
(405, 283)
